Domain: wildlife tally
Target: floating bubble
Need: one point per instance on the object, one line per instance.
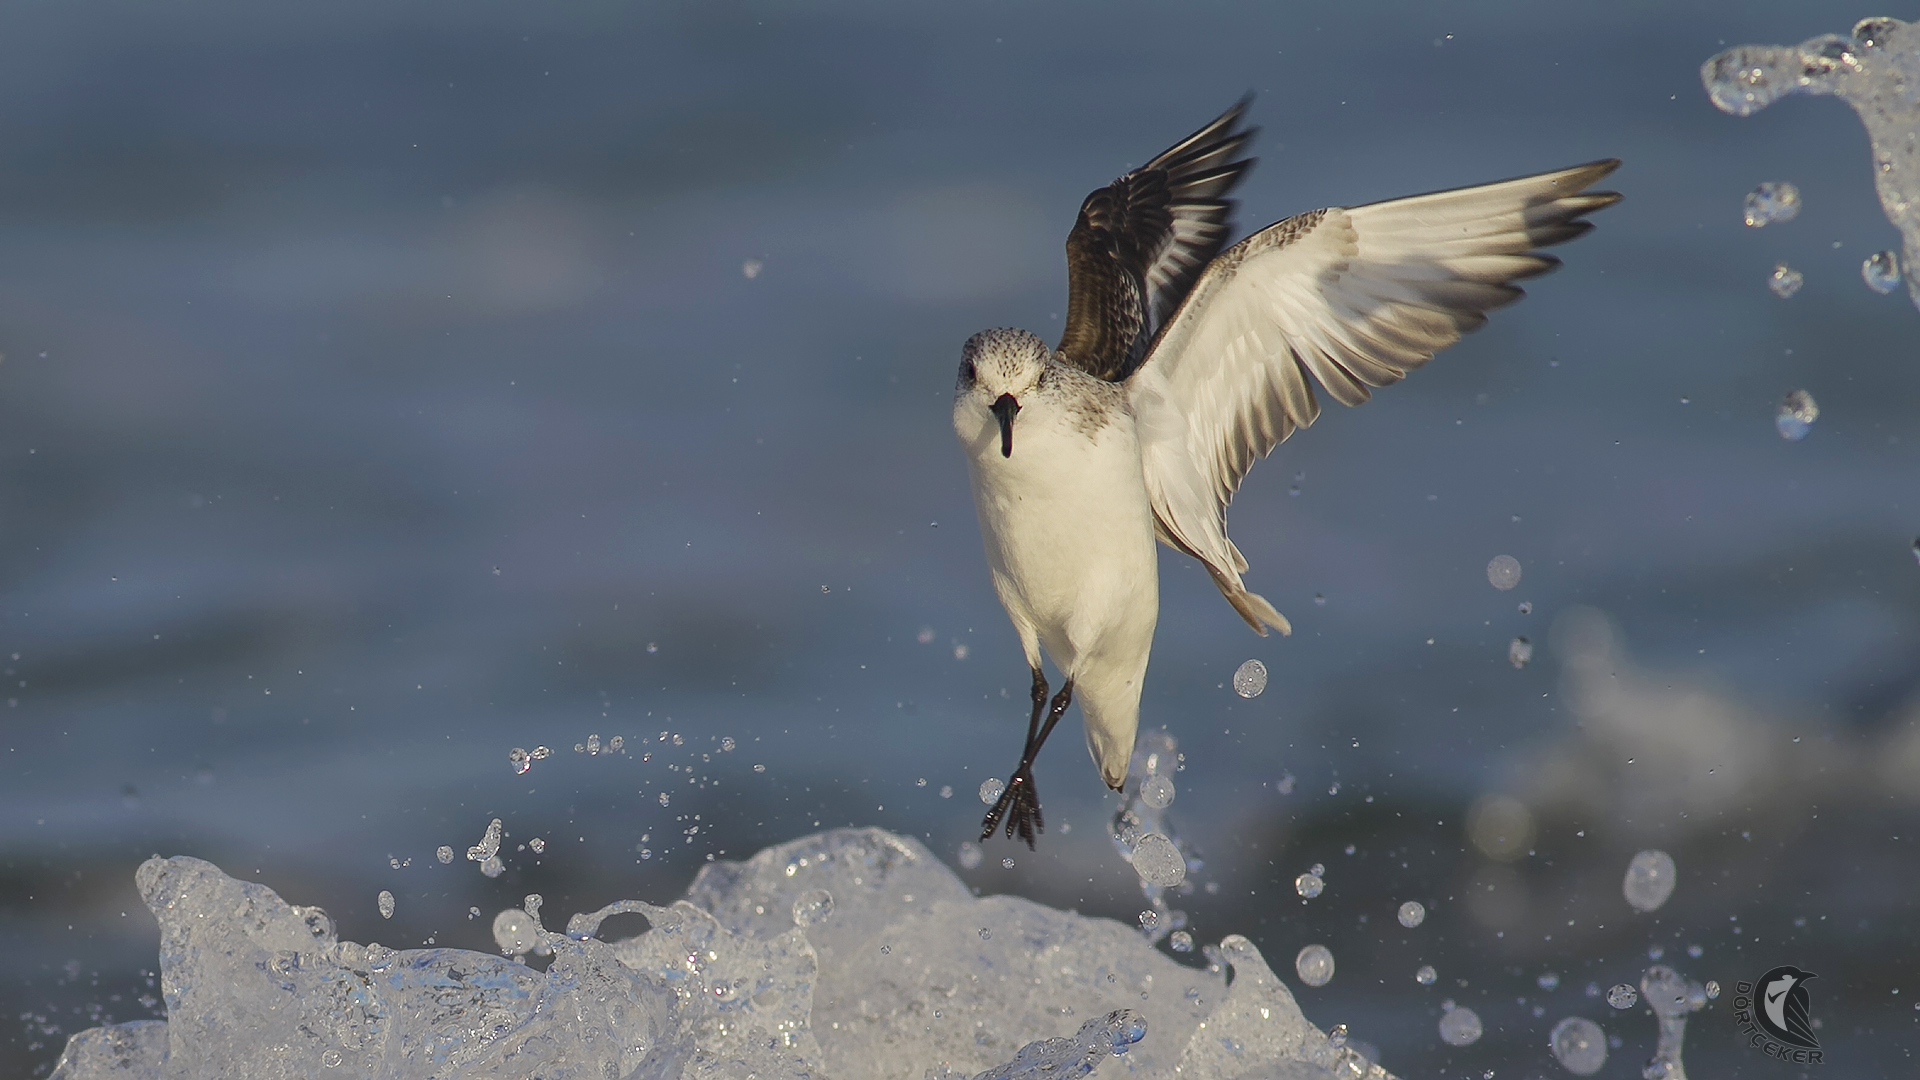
(1796, 416)
(1460, 1026)
(1157, 792)
(1881, 272)
(1623, 997)
(515, 931)
(1772, 202)
(1250, 679)
(1183, 942)
(1308, 885)
(1158, 861)
(812, 907)
(970, 855)
(1785, 281)
(1649, 881)
(443, 853)
(1425, 975)
(1314, 965)
(990, 789)
(385, 900)
(1412, 914)
(1503, 572)
(1579, 1044)
(1519, 652)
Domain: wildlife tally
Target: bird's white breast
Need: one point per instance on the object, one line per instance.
(1067, 522)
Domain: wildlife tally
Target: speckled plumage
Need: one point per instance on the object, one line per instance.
(1182, 364)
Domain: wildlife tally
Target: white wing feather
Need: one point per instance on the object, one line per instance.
(1355, 297)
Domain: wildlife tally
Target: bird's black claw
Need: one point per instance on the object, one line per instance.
(1019, 805)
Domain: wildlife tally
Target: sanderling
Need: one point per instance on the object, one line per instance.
(1181, 365)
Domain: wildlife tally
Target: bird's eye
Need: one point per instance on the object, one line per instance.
(967, 368)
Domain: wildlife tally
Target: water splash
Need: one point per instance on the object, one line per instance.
(1876, 70)
(1672, 997)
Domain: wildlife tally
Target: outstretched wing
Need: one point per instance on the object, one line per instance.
(1356, 298)
(1140, 242)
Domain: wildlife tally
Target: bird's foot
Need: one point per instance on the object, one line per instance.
(1019, 804)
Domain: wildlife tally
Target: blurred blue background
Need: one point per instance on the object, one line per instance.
(385, 387)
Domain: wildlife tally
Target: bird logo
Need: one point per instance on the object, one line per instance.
(1784, 1006)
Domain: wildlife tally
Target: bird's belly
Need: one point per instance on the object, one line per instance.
(1069, 535)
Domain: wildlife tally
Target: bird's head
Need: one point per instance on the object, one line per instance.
(999, 367)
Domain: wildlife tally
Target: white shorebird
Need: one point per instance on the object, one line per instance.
(1180, 366)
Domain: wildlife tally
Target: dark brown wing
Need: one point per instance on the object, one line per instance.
(1141, 242)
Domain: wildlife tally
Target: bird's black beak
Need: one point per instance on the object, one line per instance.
(1003, 409)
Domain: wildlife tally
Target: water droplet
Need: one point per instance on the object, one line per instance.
(1308, 885)
(1284, 785)
(385, 901)
(1519, 652)
(1149, 920)
(1796, 416)
(1314, 965)
(1412, 914)
(1425, 975)
(491, 866)
(1503, 572)
(985, 934)
(1250, 679)
(489, 843)
(443, 853)
(1460, 1026)
(1181, 941)
(1006, 863)
(1881, 272)
(1548, 981)
(812, 907)
(330, 1059)
(1772, 202)
(1526, 607)
(616, 744)
(665, 799)
(538, 845)
(1158, 861)
(541, 753)
(1580, 1045)
(970, 855)
(1333, 788)
(1649, 880)
(1695, 951)
(990, 789)
(727, 744)
(593, 745)
(1713, 991)
(519, 760)
(1318, 870)
(1337, 1038)
(1785, 281)
(946, 791)
(1157, 792)
(1319, 600)
(514, 931)
(1621, 996)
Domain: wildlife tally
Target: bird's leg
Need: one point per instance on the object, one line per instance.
(1020, 797)
(999, 809)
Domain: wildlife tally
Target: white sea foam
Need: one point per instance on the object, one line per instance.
(722, 985)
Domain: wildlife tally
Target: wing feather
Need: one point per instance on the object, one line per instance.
(1349, 298)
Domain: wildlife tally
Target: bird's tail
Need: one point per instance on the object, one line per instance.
(1251, 605)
